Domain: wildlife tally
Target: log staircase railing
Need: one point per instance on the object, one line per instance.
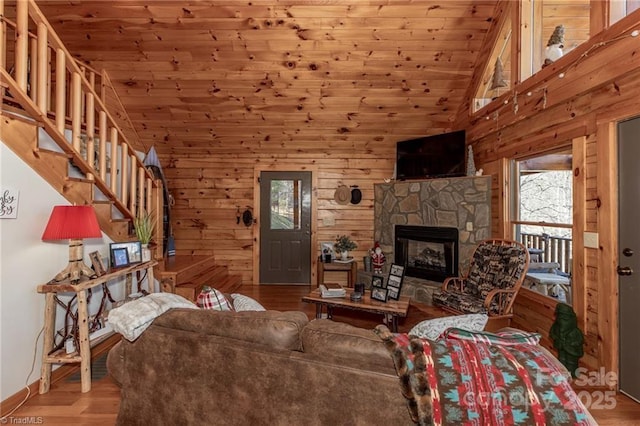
(40, 76)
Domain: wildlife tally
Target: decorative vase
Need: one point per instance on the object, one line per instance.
(146, 253)
(344, 255)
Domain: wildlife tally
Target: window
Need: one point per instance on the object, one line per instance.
(538, 26)
(543, 217)
(285, 204)
(496, 78)
(618, 9)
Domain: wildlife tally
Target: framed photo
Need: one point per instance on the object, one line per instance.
(96, 262)
(397, 270)
(393, 293)
(377, 281)
(119, 257)
(394, 282)
(134, 250)
(326, 249)
(379, 294)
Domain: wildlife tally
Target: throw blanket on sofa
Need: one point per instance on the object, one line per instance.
(132, 318)
(454, 381)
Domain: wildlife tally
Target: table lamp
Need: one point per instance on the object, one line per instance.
(73, 223)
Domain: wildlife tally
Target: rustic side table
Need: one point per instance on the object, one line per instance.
(82, 354)
(351, 268)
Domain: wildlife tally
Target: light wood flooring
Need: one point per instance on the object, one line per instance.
(66, 405)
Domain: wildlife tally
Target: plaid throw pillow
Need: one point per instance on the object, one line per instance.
(210, 298)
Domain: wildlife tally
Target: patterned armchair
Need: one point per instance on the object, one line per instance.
(496, 272)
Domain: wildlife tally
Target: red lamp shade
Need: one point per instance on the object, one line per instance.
(72, 223)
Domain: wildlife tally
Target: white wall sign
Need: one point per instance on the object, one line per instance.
(8, 203)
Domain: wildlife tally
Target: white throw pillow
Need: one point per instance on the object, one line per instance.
(245, 303)
(433, 328)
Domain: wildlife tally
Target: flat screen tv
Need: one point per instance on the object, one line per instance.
(431, 156)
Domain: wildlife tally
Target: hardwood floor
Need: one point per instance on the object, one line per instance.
(65, 404)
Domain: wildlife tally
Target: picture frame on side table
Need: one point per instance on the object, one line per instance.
(134, 250)
(119, 257)
(394, 281)
(96, 262)
(327, 252)
(379, 294)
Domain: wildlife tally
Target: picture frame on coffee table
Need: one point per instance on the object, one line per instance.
(379, 294)
(378, 281)
(394, 281)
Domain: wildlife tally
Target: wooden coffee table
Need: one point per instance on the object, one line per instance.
(392, 309)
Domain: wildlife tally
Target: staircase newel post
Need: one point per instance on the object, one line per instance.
(3, 38)
(90, 117)
(102, 120)
(22, 43)
(124, 173)
(76, 110)
(33, 66)
(43, 66)
(114, 161)
(61, 89)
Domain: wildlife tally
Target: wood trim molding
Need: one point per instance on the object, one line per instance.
(579, 227)
(607, 184)
(288, 167)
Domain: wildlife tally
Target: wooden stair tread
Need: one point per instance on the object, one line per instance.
(185, 267)
(185, 275)
(208, 274)
(226, 284)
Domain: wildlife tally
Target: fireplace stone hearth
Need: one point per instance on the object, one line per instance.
(463, 203)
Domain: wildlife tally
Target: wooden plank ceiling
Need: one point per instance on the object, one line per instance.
(279, 75)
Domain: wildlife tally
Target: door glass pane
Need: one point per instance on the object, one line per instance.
(285, 204)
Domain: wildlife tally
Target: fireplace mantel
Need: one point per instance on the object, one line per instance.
(463, 203)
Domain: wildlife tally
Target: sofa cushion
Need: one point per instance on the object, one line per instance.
(433, 328)
(347, 345)
(467, 303)
(274, 329)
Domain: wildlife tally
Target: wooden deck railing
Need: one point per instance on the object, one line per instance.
(552, 249)
(39, 74)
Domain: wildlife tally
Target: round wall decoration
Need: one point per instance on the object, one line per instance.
(356, 195)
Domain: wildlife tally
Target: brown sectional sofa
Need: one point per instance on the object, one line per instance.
(203, 367)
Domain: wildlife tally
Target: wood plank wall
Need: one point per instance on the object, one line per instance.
(601, 86)
(210, 187)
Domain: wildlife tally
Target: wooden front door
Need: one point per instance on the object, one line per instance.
(285, 227)
(629, 255)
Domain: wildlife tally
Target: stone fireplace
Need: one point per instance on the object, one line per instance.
(462, 203)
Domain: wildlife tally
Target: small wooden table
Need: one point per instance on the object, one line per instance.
(351, 268)
(392, 309)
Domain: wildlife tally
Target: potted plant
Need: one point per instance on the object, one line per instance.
(144, 226)
(343, 245)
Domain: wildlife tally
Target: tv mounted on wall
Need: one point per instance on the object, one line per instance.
(431, 156)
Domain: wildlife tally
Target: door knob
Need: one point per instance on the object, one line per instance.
(625, 271)
(627, 252)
